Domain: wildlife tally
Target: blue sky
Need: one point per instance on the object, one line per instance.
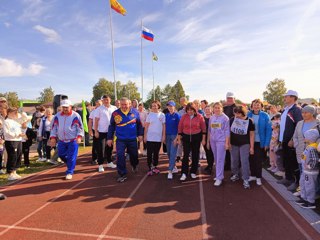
(211, 46)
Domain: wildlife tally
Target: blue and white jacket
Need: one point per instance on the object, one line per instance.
(67, 127)
(265, 129)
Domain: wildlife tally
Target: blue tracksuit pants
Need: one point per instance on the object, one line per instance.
(68, 152)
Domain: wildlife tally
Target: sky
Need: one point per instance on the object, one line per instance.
(211, 46)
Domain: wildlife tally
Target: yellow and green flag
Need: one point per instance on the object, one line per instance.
(84, 117)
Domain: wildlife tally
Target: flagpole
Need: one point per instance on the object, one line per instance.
(113, 61)
(154, 93)
(141, 65)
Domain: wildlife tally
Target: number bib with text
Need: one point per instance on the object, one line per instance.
(240, 126)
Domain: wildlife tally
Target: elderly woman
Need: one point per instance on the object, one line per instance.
(13, 145)
(309, 121)
(192, 130)
(262, 137)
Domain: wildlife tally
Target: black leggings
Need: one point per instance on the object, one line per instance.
(153, 149)
(191, 143)
(14, 151)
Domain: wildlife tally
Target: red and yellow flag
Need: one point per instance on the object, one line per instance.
(115, 5)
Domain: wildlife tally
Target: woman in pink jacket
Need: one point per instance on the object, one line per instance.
(192, 133)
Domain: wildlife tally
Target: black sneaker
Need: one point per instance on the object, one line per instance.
(94, 162)
(121, 179)
(308, 205)
(300, 201)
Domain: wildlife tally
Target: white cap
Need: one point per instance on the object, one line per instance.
(291, 93)
(65, 103)
(230, 95)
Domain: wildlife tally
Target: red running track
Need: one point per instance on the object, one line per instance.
(94, 206)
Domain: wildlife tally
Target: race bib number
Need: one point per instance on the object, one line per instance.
(240, 126)
(216, 125)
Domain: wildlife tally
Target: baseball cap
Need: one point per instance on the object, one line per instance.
(291, 93)
(230, 95)
(171, 103)
(3, 99)
(65, 103)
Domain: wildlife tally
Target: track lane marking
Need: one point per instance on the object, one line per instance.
(45, 205)
(66, 232)
(294, 222)
(108, 227)
(205, 235)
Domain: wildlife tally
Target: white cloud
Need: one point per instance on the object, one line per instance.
(51, 35)
(7, 24)
(216, 48)
(35, 10)
(9, 68)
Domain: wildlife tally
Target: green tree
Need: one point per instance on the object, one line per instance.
(158, 96)
(12, 98)
(46, 95)
(274, 92)
(167, 93)
(103, 87)
(177, 92)
(130, 90)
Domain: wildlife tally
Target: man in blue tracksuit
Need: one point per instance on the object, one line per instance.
(68, 129)
(126, 126)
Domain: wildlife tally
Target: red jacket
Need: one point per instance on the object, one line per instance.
(192, 126)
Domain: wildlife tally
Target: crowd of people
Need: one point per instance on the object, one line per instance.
(229, 136)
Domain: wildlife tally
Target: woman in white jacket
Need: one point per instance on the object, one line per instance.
(13, 137)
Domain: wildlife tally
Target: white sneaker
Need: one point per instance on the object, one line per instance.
(193, 175)
(259, 183)
(101, 169)
(53, 162)
(2, 171)
(111, 165)
(68, 177)
(175, 170)
(275, 170)
(217, 183)
(12, 177)
(280, 174)
(297, 194)
(270, 168)
(170, 175)
(183, 177)
(251, 178)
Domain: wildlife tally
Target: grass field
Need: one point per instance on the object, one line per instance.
(36, 166)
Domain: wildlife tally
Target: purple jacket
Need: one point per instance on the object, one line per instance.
(219, 128)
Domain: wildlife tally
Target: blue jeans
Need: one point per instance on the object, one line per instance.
(68, 153)
(132, 150)
(171, 151)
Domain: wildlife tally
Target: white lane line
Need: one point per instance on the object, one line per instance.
(106, 230)
(65, 232)
(205, 235)
(45, 205)
(25, 180)
(294, 222)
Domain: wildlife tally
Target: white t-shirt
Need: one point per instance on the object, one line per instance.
(93, 116)
(156, 121)
(104, 114)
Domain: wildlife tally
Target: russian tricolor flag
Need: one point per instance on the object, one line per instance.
(147, 34)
